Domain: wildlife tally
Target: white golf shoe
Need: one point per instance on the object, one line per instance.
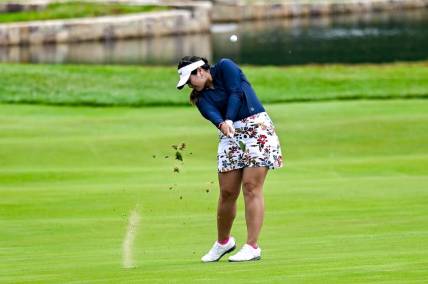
(246, 253)
(218, 250)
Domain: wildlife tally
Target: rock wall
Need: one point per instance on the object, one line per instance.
(184, 19)
(235, 11)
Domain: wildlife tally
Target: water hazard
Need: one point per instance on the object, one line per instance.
(362, 38)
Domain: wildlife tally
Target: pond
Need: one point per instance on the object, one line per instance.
(359, 38)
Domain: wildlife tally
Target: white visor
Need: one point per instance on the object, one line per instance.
(186, 71)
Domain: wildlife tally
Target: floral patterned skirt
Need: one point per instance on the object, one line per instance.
(255, 144)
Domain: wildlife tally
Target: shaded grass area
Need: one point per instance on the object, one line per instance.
(69, 10)
(350, 206)
(143, 86)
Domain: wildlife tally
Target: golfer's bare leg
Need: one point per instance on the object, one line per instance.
(230, 185)
(252, 186)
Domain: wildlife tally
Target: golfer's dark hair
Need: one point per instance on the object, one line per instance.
(186, 60)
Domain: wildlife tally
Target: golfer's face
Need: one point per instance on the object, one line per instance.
(196, 81)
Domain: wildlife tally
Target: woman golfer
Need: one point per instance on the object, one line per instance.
(248, 147)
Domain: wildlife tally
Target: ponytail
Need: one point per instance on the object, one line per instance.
(194, 97)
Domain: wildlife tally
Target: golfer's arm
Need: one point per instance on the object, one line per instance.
(233, 105)
(232, 81)
(210, 112)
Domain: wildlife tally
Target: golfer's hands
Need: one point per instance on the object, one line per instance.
(227, 128)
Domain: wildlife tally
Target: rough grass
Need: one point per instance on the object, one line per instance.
(69, 10)
(142, 86)
(350, 206)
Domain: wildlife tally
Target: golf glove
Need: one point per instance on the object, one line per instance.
(232, 129)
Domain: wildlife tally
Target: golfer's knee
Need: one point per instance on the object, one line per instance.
(251, 188)
(228, 195)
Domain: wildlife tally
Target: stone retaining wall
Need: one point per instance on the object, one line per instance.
(235, 11)
(187, 17)
(184, 20)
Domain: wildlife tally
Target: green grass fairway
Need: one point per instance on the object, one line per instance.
(350, 206)
(155, 86)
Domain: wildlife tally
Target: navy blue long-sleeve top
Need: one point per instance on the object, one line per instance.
(232, 97)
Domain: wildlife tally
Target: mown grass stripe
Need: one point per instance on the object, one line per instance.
(136, 86)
